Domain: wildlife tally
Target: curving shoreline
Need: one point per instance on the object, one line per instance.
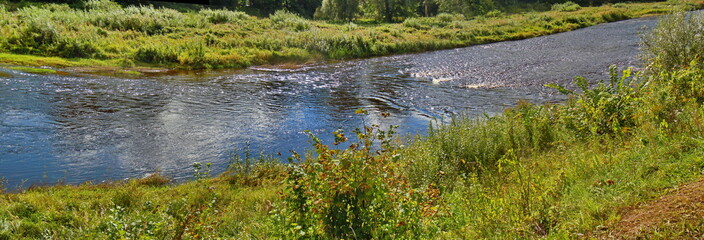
(250, 41)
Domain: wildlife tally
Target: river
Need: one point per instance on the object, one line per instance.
(79, 127)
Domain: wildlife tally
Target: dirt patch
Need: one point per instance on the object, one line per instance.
(675, 210)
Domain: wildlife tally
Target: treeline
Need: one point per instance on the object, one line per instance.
(371, 10)
(389, 10)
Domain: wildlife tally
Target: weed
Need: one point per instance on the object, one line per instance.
(357, 192)
(608, 108)
(154, 180)
(200, 173)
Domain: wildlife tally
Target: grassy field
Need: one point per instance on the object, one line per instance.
(560, 171)
(105, 35)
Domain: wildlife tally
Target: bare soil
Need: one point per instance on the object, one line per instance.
(679, 214)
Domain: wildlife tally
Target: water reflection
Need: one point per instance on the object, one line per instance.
(82, 128)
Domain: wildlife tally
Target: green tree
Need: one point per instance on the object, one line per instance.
(466, 7)
(304, 8)
(390, 10)
(345, 10)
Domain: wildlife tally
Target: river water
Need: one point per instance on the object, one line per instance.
(78, 127)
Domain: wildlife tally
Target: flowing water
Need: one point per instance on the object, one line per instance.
(78, 127)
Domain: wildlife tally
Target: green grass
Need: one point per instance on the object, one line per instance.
(557, 171)
(34, 70)
(106, 34)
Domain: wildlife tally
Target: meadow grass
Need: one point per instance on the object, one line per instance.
(106, 34)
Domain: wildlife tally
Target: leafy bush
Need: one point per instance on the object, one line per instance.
(223, 16)
(358, 192)
(568, 6)
(144, 18)
(445, 17)
(35, 36)
(494, 13)
(157, 54)
(286, 19)
(677, 41)
(608, 108)
(101, 5)
(76, 48)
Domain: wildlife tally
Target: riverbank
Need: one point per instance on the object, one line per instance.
(573, 170)
(111, 38)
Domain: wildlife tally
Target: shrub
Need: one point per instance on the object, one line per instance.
(608, 108)
(76, 48)
(286, 19)
(101, 5)
(494, 13)
(445, 17)
(157, 54)
(357, 192)
(154, 180)
(677, 41)
(414, 23)
(145, 19)
(568, 6)
(222, 16)
(620, 5)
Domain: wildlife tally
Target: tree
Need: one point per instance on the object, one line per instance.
(344, 10)
(390, 10)
(466, 7)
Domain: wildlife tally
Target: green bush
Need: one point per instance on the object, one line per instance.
(568, 6)
(77, 48)
(445, 17)
(157, 54)
(494, 13)
(146, 19)
(101, 5)
(677, 41)
(286, 19)
(358, 192)
(223, 16)
(608, 108)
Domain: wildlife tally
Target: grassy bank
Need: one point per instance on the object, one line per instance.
(104, 34)
(551, 171)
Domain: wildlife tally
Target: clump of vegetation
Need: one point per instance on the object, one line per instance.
(358, 192)
(566, 7)
(677, 41)
(285, 19)
(223, 16)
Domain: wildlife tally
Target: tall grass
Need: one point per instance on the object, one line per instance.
(102, 29)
